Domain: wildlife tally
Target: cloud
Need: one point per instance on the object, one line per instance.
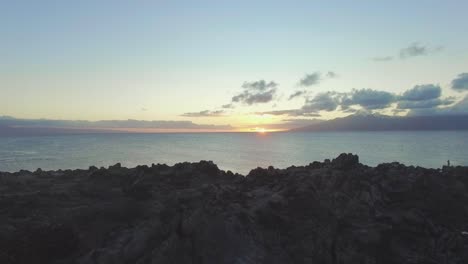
(431, 103)
(348, 110)
(461, 82)
(289, 112)
(261, 85)
(422, 92)
(310, 79)
(383, 59)
(331, 74)
(398, 111)
(254, 98)
(413, 50)
(460, 108)
(328, 101)
(424, 96)
(302, 120)
(144, 109)
(228, 106)
(368, 99)
(416, 49)
(292, 123)
(296, 94)
(315, 78)
(278, 112)
(205, 113)
(256, 92)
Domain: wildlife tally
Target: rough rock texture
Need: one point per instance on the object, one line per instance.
(337, 211)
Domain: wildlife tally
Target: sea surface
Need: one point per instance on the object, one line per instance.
(238, 152)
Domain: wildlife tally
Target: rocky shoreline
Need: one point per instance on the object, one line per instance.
(337, 211)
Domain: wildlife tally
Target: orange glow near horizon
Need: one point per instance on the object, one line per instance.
(260, 130)
(253, 123)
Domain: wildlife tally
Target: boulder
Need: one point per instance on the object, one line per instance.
(345, 161)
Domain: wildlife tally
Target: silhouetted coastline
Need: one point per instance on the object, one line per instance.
(336, 211)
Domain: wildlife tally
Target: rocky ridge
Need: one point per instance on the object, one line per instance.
(337, 211)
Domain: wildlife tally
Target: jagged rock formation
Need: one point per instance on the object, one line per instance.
(338, 211)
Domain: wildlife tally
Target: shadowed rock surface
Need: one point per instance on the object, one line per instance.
(338, 211)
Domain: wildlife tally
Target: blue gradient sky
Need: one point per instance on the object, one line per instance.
(155, 60)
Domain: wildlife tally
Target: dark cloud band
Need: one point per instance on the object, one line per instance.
(461, 82)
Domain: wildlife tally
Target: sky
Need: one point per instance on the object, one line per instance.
(231, 64)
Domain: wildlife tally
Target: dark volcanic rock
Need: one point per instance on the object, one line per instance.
(345, 161)
(338, 211)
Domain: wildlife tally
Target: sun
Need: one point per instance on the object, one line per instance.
(260, 130)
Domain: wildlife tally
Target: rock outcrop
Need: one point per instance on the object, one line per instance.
(331, 212)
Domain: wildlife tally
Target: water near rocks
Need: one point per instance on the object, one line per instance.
(238, 152)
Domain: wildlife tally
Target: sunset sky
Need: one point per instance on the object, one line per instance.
(246, 64)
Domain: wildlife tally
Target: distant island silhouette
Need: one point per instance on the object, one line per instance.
(32, 127)
(389, 123)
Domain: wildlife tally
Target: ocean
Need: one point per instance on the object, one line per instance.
(238, 152)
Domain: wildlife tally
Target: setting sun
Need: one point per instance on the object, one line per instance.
(260, 130)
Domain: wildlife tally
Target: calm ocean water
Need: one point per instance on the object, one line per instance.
(239, 152)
